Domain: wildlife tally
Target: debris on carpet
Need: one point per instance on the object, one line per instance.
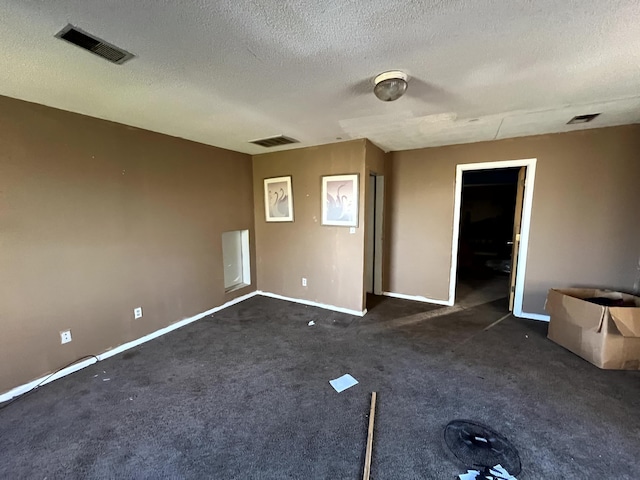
(495, 473)
(342, 383)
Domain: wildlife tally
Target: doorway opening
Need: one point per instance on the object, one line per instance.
(491, 230)
(485, 245)
(373, 245)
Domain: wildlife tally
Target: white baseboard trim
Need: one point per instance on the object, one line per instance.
(418, 298)
(313, 304)
(173, 326)
(14, 392)
(533, 316)
(17, 391)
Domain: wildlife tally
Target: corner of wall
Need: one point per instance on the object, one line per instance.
(329, 257)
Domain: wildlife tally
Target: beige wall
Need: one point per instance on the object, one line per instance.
(329, 257)
(584, 227)
(97, 218)
(375, 159)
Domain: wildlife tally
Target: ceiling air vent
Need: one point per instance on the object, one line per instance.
(94, 44)
(582, 118)
(274, 141)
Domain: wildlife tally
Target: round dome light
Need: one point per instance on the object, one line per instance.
(390, 86)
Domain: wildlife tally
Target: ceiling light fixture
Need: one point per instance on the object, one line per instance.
(390, 86)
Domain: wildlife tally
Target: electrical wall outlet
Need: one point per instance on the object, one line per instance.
(65, 336)
(304, 282)
(352, 230)
(137, 313)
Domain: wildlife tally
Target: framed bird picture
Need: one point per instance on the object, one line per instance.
(278, 199)
(340, 200)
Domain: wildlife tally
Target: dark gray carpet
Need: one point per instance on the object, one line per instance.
(244, 394)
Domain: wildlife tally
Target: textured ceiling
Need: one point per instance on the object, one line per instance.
(228, 71)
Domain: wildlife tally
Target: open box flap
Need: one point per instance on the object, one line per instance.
(627, 320)
(586, 315)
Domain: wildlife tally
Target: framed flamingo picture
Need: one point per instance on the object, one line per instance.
(340, 200)
(278, 199)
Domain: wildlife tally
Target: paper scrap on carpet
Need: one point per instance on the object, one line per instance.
(342, 383)
(496, 473)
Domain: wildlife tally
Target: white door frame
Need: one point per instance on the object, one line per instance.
(530, 163)
(373, 259)
(378, 235)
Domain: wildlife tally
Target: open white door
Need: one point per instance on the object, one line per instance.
(515, 241)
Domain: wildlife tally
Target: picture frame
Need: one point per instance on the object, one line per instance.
(340, 200)
(278, 199)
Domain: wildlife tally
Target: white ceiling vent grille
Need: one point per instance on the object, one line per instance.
(274, 141)
(583, 118)
(94, 45)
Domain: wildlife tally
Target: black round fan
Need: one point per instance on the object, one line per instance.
(477, 445)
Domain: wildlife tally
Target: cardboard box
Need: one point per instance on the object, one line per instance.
(607, 336)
